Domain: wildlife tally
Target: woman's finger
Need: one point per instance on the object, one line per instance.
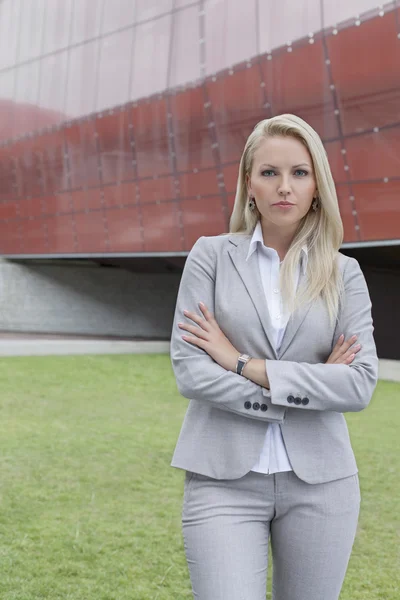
(197, 331)
(193, 317)
(195, 341)
(207, 313)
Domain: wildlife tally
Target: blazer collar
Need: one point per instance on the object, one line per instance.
(250, 275)
(257, 238)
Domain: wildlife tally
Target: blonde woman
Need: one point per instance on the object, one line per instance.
(272, 342)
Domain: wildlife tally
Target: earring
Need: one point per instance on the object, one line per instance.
(315, 203)
(252, 203)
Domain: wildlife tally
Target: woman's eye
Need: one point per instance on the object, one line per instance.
(268, 172)
(302, 172)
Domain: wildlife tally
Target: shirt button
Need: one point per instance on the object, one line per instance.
(278, 317)
(276, 291)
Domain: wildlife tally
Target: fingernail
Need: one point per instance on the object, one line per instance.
(352, 356)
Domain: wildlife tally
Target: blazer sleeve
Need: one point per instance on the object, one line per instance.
(334, 387)
(198, 376)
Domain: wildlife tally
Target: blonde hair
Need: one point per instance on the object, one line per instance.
(321, 230)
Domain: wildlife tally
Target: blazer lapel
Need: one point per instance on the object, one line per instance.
(250, 275)
(295, 320)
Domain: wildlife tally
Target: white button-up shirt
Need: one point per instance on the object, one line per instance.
(273, 457)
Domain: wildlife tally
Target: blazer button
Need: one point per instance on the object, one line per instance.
(264, 407)
(256, 406)
(247, 404)
(290, 399)
(305, 401)
(297, 400)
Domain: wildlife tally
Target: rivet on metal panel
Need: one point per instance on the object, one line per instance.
(381, 13)
(343, 151)
(269, 57)
(267, 105)
(351, 198)
(215, 145)
(289, 49)
(336, 111)
(334, 31)
(385, 179)
(195, 170)
(357, 227)
(311, 41)
(230, 71)
(376, 129)
(354, 212)
(346, 167)
(198, 197)
(262, 84)
(332, 86)
(327, 62)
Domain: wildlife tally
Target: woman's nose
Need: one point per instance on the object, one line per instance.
(284, 187)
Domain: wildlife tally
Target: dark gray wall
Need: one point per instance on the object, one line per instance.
(86, 299)
(384, 289)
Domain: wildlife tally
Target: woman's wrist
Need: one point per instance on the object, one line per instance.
(255, 370)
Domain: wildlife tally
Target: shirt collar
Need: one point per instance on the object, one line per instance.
(257, 238)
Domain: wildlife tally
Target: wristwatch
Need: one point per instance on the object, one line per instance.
(241, 362)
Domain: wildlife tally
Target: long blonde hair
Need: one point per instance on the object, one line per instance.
(321, 230)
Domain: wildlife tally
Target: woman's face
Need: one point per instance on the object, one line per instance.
(282, 172)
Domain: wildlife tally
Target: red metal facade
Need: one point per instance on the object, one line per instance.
(155, 173)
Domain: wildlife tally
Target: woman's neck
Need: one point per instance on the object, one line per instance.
(278, 239)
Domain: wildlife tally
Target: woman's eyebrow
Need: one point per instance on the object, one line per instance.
(294, 166)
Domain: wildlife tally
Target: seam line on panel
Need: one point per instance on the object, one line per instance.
(171, 133)
(340, 129)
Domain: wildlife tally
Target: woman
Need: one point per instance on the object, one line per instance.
(272, 342)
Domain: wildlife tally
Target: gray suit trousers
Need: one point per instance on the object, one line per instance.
(226, 524)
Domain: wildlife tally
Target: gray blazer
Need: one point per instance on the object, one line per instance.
(224, 427)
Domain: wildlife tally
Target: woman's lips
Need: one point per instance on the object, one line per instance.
(283, 205)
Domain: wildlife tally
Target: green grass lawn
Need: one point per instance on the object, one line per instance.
(90, 508)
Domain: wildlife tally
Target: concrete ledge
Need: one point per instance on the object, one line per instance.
(389, 369)
(29, 347)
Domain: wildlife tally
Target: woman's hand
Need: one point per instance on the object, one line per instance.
(210, 338)
(342, 354)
